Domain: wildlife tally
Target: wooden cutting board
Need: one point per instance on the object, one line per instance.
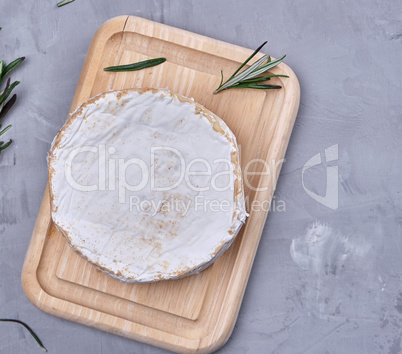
(198, 313)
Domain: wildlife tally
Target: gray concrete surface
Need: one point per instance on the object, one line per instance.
(324, 281)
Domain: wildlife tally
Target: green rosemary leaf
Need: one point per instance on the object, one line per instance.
(3, 92)
(267, 66)
(2, 66)
(244, 74)
(64, 2)
(248, 59)
(5, 129)
(136, 66)
(13, 65)
(256, 86)
(221, 78)
(7, 92)
(261, 78)
(3, 147)
(32, 333)
(10, 67)
(6, 107)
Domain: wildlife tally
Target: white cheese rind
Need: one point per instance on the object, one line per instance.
(113, 232)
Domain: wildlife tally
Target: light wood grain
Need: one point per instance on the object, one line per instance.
(198, 313)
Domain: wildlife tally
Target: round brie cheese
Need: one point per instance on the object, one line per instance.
(146, 184)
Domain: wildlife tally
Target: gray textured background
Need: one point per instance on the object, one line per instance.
(323, 281)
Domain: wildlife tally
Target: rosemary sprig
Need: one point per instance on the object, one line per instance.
(136, 66)
(64, 2)
(32, 333)
(4, 109)
(249, 78)
(5, 105)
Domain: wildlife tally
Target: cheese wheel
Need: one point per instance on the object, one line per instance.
(146, 184)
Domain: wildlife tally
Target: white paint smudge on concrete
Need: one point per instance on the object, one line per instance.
(323, 250)
(339, 269)
(320, 250)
